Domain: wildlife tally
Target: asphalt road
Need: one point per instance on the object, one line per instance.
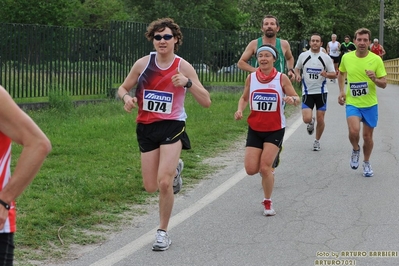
(327, 213)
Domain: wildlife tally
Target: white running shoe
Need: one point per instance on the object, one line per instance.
(354, 162)
(367, 170)
(310, 127)
(178, 181)
(162, 241)
(268, 208)
(316, 145)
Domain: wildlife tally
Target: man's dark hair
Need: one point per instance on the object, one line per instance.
(271, 16)
(316, 34)
(362, 31)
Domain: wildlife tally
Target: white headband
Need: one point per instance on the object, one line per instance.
(266, 48)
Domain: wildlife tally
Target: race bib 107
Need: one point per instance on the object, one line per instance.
(264, 102)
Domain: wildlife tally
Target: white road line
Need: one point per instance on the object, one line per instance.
(183, 215)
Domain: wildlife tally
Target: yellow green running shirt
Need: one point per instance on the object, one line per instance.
(361, 90)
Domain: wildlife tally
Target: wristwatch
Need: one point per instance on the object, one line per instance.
(5, 205)
(189, 84)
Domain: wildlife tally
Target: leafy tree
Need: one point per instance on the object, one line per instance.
(207, 14)
(298, 18)
(45, 12)
(391, 30)
(392, 15)
(98, 14)
(75, 13)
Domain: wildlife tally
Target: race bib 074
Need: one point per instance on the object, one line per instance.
(158, 101)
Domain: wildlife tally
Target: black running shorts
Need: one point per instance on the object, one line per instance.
(6, 249)
(256, 138)
(151, 136)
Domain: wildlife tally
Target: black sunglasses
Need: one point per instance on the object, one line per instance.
(166, 37)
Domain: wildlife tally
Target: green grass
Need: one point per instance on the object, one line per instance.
(92, 176)
(46, 99)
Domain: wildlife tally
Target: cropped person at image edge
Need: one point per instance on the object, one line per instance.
(16, 126)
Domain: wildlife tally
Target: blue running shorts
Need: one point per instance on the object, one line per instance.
(368, 115)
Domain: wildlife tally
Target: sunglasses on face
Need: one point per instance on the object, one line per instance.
(166, 37)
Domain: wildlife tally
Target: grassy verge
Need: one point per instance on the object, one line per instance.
(92, 177)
